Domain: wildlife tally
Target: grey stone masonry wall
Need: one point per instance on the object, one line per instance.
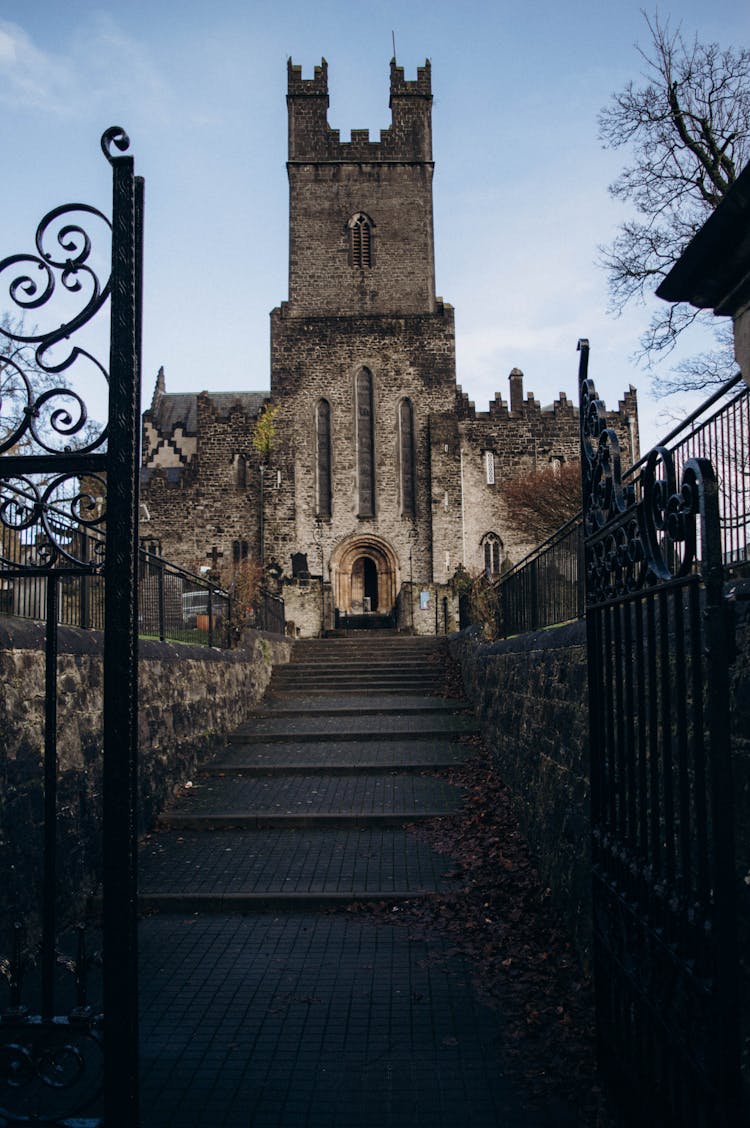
(214, 500)
(314, 358)
(389, 181)
(529, 694)
(522, 441)
(190, 699)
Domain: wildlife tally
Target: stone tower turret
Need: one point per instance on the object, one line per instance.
(360, 212)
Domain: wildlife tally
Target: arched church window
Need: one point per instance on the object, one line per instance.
(493, 554)
(360, 240)
(365, 444)
(406, 452)
(323, 457)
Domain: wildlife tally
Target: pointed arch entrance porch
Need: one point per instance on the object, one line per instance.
(364, 576)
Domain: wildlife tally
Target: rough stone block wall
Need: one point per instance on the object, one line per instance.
(190, 699)
(397, 199)
(446, 497)
(215, 501)
(315, 358)
(529, 694)
(523, 441)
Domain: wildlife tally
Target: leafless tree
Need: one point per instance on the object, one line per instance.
(540, 501)
(688, 128)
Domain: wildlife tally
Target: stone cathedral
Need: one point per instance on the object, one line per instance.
(381, 479)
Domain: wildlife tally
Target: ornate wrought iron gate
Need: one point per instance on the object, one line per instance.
(68, 509)
(665, 950)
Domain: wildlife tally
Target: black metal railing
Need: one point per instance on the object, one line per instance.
(546, 587)
(178, 605)
(269, 613)
(173, 603)
(659, 643)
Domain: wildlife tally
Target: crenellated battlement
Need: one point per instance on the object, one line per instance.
(421, 87)
(311, 139)
(300, 87)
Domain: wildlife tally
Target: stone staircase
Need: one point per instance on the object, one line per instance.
(257, 1005)
(308, 804)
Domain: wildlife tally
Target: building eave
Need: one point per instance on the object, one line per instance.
(713, 272)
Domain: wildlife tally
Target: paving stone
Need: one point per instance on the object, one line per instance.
(315, 1020)
(360, 860)
(340, 755)
(361, 794)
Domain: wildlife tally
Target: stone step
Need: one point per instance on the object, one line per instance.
(415, 690)
(362, 678)
(265, 902)
(265, 820)
(338, 757)
(269, 729)
(382, 704)
(396, 795)
(348, 863)
(362, 667)
(307, 649)
(361, 670)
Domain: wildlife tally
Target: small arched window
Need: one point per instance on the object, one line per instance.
(323, 457)
(406, 452)
(360, 240)
(493, 554)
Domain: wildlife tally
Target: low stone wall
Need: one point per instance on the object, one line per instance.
(529, 693)
(190, 699)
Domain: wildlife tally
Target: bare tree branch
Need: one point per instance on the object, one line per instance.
(688, 128)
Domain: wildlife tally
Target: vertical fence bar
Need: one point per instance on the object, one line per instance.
(120, 980)
(160, 597)
(49, 889)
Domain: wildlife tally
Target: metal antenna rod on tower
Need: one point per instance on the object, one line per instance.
(393, 37)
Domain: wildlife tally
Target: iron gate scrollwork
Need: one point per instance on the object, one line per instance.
(68, 512)
(665, 948)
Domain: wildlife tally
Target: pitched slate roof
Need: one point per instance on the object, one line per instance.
(174, 409)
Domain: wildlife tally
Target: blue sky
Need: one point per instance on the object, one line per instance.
(521, 181)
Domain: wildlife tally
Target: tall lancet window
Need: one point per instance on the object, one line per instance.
(365, 445)
(360, 240)
(406, 445)
(323, 457)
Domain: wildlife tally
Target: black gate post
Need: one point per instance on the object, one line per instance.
(121, 650)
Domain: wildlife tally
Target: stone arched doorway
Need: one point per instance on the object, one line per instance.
(364, 576)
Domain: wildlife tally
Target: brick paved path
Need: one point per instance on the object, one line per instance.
(261, 1007)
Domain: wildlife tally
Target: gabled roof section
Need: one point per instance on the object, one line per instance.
(175, 409)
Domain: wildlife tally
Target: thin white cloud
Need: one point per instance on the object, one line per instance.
(30, 78)
(98, 67)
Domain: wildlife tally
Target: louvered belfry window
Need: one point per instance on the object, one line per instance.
(365, 445)
(360, 235)
(323, 442)
(406, 435)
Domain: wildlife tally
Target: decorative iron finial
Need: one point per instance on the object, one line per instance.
(116, 136)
